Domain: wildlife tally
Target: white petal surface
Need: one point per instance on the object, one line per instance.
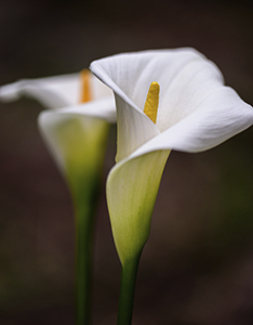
(103, 108)
(134, 129)
(186, 91)
(220, 116)
(53, 92)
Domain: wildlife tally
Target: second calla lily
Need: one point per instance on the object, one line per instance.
(76, 137)
(79, 96)
(75, 129)
(193, 111)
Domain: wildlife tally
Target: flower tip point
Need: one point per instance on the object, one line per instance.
(155, 85)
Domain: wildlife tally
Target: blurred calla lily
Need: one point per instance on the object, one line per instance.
(76, 137)
(76, 134)
(80, 106)
(75, 129)
(193, 112)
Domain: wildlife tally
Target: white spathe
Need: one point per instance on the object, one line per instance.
(63, 128)
(62, 94)
(196, 112)
(53, 92)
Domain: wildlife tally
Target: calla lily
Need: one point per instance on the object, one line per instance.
(195, 112)
(76, 137)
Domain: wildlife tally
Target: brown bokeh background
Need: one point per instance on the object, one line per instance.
(197, 268)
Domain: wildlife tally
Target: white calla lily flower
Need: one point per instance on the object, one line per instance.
(75, 129)
(196, 112)
(63, 96)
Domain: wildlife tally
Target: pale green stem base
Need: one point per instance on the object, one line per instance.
(127, 290)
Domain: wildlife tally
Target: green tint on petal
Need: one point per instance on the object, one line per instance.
(82, 143)
(132, 188)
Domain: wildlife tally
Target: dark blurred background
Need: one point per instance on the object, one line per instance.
(197, 268)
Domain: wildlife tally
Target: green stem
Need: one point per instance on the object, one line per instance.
(127, 289)
(84, 261)
(85, 197)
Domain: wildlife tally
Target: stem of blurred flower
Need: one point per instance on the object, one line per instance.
(85, 208)
(84, 261)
